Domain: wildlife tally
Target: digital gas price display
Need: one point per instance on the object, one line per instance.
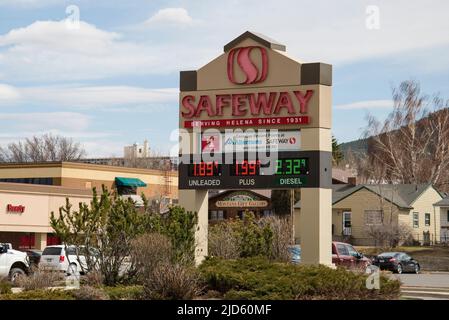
(288, 170)
(204, 169)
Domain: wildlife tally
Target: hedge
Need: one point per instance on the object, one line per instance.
(258, 278)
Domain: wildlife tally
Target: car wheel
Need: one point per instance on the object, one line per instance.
(399, 269)
(417, 268)
(15, 274)
(72, 270)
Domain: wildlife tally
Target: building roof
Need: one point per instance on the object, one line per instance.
(260, 38)
(443, 203)
(402, 195)
(85, 166)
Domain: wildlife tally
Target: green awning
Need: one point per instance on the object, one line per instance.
(129, 182)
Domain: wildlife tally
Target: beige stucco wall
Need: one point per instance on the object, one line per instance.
(38, 208)
(423, 205)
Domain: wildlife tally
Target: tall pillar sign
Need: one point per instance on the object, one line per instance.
(253, 118)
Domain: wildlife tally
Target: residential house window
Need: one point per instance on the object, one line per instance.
(427, 219)
(415, 219)
(373, 217)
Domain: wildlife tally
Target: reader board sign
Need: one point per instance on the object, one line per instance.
(213, 141)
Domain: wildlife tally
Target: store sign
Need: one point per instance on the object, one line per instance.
(249, 140)
(255, 104)
(241, 56)
(242, 204)
(241, 201)
(15, 209)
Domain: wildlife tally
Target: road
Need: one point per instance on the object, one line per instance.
(424, 286)
(432, 280)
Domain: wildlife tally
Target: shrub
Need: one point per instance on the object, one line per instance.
(282, 229)
(89, 293)
(93, 279)
(172, 282)
(40, 280)
(179, 226)
(5, 286)
(223, 241)
(148, 251)
(39, 295)
(245, 237)
(258, 278)
(124, 292)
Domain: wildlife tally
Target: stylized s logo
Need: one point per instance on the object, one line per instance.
(247, 66)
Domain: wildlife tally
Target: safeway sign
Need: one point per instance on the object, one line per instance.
(250, 140)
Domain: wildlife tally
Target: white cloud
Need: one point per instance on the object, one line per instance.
(170, 16)
(28, 3)
(368, 104)
(37, 120)
(88, 96)
(8, 93)
(50, 51)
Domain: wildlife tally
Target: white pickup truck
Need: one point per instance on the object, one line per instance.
(13, 263)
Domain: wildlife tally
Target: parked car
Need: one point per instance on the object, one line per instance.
(13, 263)
(344, 254)
(34, 256)
(57, 258)
(295, 253)
(397, 262)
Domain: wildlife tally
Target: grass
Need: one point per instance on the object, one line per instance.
(430, 258)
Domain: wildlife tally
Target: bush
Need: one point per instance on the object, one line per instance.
(282, 229)
(124, 292)
(172, 282)
(245, 237)
(258, 278)
(93, 278)
(39, 295)
(179, 226)
(148, 251)
(39, 280)
(5, 286)
(223, 241)
(89, 293)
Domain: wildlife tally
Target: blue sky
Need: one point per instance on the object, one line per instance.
(114, 80)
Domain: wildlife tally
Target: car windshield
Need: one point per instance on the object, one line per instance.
(52, 251)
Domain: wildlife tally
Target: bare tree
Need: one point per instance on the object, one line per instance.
(412, 144)
(42, 148)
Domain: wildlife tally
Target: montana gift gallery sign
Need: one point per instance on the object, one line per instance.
(254, 118)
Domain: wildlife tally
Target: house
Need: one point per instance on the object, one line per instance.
(357, 209)
(442, 208)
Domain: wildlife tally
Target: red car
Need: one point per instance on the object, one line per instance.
(344, 255)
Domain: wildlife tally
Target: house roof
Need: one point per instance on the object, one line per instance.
(260, 38)
(402, 195)
(443, 203)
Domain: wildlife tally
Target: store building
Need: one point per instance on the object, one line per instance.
(25, 211)
(233, 204)
(29, 192)
(152, 183)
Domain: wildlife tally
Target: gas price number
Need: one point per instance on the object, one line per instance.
(245, 168)
(292, 166)
(204, 169)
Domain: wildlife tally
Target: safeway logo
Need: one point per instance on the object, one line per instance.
(252, 73)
